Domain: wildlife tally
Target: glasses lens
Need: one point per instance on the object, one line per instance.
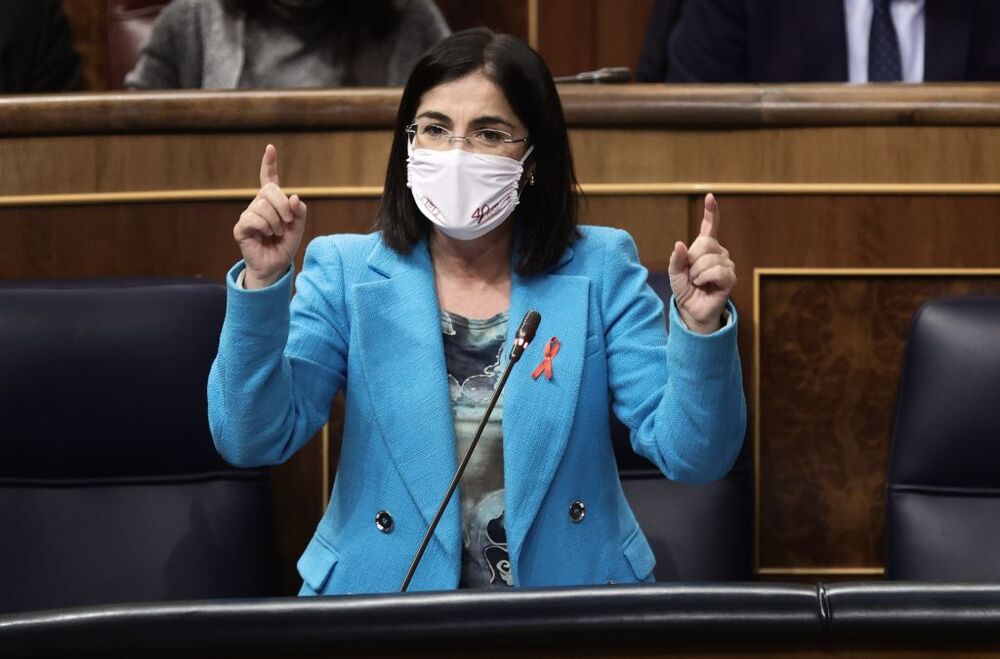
(489, 139)
(435, 136)
(432, 135)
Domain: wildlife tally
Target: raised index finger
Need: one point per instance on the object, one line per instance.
(269, 166)
(711, 219)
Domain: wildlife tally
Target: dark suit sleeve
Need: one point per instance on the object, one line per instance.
(983, 62)
(709, 43)
(36, 48)
(57, 67)
(653, 63)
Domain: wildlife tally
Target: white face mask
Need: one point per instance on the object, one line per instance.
(465, 194)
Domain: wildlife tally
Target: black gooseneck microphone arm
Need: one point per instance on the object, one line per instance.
(525, 334)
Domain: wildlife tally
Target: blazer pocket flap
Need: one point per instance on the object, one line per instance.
(640, 555)
(316, 563)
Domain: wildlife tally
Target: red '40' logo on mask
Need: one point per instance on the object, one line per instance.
(483, 212)
(486, 211)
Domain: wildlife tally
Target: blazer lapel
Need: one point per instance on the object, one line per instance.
(948, 27)
(402, 355)
(538, 413)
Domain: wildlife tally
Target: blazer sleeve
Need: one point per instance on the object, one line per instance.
(680, 393)
(710, 43)
(653, 62)
(279, 365)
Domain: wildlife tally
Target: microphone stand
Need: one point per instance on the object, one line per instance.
(524, 337)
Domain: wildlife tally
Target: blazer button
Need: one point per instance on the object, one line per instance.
(577, 511)
(383, 521)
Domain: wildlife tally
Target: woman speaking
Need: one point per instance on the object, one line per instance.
(478, 224)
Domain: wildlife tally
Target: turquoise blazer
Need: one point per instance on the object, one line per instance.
(365, 319)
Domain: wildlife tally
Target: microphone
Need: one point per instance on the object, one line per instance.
(525, 335)
(607, 74)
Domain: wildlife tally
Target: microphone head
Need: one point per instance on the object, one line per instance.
(525, 334)
(529, 325)
(607, 74)
(614, 74)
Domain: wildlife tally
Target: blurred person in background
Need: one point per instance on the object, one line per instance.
(36, 48)
(228, 44)
(785, 41)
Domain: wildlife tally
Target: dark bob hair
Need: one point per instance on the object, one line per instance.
(546, 216)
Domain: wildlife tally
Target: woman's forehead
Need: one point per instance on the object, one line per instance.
(467, 98)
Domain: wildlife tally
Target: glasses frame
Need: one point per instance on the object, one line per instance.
(411, 129)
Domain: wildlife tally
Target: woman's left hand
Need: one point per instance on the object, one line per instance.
(702, 276)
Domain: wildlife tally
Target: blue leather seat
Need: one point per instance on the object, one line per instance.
(943, 487)
(110, 487)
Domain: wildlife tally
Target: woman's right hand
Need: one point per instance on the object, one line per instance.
(270, 229)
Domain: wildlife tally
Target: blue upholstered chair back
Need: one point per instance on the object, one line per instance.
(943, 488)
(110, 488)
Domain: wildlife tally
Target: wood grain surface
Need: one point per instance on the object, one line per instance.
(820, 156)
(647, 105)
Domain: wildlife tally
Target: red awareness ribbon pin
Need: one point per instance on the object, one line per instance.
(551, 350)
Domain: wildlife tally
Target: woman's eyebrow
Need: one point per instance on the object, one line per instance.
(485, 120)
(436, 116)
(491, 119)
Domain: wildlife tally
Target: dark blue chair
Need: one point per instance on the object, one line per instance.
(110, 487)
(943, 487)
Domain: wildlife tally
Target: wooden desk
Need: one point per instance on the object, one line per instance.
(844, 208)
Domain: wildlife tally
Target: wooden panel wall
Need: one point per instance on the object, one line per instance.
(571, 35)
(583, 35)
(88, 18)
(825, 198)
(830, 347)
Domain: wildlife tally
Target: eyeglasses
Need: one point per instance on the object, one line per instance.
(435, 136)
